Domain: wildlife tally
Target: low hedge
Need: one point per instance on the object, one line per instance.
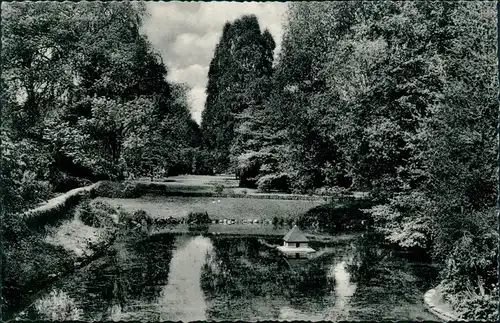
(57, 209)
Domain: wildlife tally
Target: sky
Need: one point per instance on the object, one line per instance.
(185, 35)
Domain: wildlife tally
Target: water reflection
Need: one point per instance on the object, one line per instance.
(344, 290)
(166, 277)
(182, 299)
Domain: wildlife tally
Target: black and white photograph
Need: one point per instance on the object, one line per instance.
(249, 161)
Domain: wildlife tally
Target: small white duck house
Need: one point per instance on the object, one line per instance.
(295, 244)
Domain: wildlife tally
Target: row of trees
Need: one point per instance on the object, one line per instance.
(396, 98)
(85, 96)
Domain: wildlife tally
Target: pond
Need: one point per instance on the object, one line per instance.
(188, 277)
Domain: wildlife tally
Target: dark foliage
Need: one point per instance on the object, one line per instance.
(333, 218)
(117, 189)
(198, 218)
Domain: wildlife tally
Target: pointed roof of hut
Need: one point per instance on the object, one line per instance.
(295, 235)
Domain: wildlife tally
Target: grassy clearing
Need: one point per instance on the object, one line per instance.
(227, 208)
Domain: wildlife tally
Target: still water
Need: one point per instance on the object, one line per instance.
(186, 277)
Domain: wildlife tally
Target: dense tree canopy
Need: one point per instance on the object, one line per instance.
(394, 98)
(85, 96)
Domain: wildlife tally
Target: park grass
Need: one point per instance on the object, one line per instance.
(217, 186)
(227, 208)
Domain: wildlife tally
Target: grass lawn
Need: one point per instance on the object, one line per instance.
(227, 208)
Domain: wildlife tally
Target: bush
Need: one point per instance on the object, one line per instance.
(64, 183)
(198, 218)
(13, 228)
(289, 221)
(96, 214)
(219, 188)
(334, 218)
(141, 216)
(117, 190)
(248, 174)
(198, 227)
(471, 305)
(276, 220)
(58, 306)
(273, 182)
(480, 308)
(34, 191)
(138, 217)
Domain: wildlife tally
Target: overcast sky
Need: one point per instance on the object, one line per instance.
(185, 34)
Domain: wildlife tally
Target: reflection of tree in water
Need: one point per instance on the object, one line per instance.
(139, 270)
(240, 267)
(385, 282)
(367, 257)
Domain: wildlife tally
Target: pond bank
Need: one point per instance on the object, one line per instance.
(161, 277)
(256, 231)
(438, 307)
(80, 262)
(167, 271)
(54, 242)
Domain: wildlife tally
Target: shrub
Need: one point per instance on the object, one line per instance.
(117, 189)
(64, 183)
(480, 308)
(198, 227)
(124, 217)
(276, 220)
(218, 188)
(84, 213)
(273, 182)
(471, 305)
(13, 228)
(34, 191)
(140, 216)
(135, 218)
(248, 173)
(96, 214)
(58, 306)
(334, 218)
(198, 218)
